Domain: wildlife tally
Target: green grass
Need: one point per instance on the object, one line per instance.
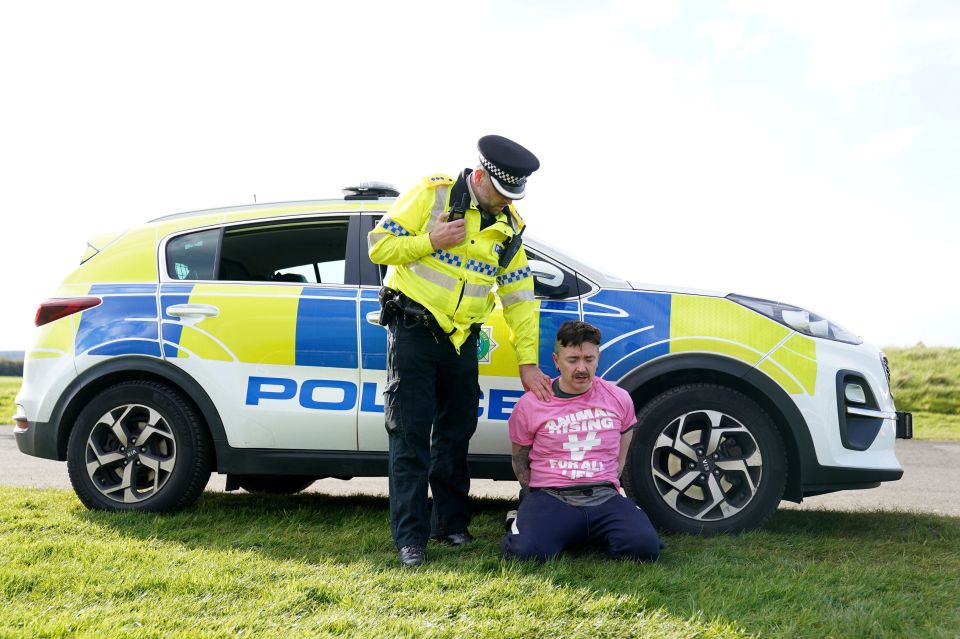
(314, 565)
(936, 427)
(925, 379)
(926, 382)
(9, 387)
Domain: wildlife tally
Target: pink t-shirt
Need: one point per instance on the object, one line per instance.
(574, 440)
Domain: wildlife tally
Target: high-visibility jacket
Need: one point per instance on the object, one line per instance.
(457, 284)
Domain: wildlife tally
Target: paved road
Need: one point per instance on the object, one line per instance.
(930, 481)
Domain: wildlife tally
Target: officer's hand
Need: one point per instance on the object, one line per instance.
(534, 380)
(448, 234)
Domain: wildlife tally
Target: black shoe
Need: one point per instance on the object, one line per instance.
(455, 539)
(413, 555)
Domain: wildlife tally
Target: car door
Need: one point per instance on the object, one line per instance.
(556, 287)
(264, 315)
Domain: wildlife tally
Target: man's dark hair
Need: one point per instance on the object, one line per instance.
(575, 333)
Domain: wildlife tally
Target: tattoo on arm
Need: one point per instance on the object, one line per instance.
(521, 464)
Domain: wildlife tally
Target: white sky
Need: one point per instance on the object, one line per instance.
(806, 152)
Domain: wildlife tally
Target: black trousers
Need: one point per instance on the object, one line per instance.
(430, 405)
(545, 526)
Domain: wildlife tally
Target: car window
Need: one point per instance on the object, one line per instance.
(193, 256)
(312, 252)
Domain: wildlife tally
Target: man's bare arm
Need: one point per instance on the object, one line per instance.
(521, 464)
(625, 440)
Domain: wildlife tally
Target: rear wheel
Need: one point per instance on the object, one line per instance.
(706, 459)
(140, 446)
(275, 484)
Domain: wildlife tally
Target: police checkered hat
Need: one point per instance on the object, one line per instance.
(508, 163)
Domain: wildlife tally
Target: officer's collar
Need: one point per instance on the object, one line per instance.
(463, 182)
(462, 185)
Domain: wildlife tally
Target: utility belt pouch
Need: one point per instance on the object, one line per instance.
(390, 304)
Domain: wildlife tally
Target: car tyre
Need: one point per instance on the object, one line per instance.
(275, 484)
(705, 459)
(139, 446)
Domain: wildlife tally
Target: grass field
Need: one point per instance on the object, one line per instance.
(9, 387)
(926, 382)
(926, 379)
(314, 565)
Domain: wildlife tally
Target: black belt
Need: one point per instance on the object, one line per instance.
(413, 313)
(580, 488)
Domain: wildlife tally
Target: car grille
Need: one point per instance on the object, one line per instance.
(886, 367)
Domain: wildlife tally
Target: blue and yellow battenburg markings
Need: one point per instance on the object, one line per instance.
(637, 326)
(327, 319)
(125, 323)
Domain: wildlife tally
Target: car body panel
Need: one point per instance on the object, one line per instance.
(302, 367)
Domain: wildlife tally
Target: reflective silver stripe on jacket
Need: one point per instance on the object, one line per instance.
(433, 275)
(439, 206)
(510, 299)
(475, 290)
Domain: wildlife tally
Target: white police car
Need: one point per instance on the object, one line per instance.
(245, 341)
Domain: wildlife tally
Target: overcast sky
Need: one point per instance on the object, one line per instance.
(803, 151)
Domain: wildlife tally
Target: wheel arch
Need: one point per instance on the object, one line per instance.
(650, 380)
(130, 368)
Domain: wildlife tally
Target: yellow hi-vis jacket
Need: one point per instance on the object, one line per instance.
(456, 285)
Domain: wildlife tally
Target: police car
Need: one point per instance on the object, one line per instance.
(245, 341)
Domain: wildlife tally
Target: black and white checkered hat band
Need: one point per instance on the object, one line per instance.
(500, 174)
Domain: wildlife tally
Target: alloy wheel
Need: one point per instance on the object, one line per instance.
(130, 453)
(706, 465)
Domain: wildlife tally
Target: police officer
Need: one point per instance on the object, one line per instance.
(451, 244)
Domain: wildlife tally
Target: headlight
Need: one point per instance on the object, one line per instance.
(798, 319)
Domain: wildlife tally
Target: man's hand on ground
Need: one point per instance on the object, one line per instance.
(534, 380)
(448, 234)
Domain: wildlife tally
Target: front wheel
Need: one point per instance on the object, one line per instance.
(705, 459)
(139, 446)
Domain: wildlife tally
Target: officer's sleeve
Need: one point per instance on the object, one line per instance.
(401, 236)
(520, 309)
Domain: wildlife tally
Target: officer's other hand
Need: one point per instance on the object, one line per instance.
(448, 234)
(534, 380)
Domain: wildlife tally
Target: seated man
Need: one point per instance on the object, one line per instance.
(569, 452)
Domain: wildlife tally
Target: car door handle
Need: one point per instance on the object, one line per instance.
(373, 317)
(193, 310)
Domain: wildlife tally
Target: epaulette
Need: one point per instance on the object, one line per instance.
(438, 179)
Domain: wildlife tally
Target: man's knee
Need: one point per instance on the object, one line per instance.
(639, 546)
(523, 547)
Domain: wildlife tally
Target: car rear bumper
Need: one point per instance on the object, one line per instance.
(37, 439)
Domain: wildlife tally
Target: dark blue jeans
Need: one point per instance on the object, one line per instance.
(545, 526)
(430, 406)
